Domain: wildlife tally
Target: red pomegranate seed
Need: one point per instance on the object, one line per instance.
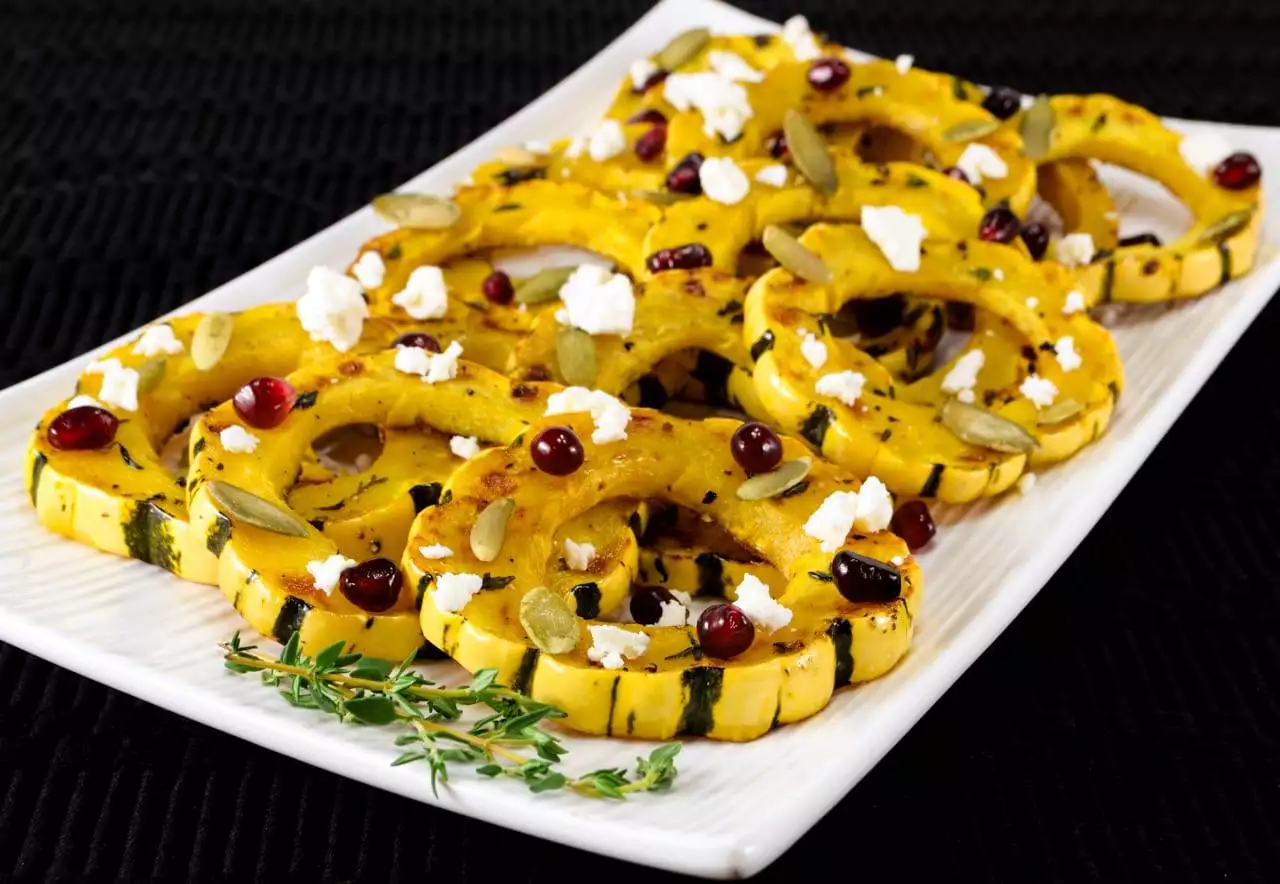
(1036, 238)
(684, 257)
(999, 225)
(913, 523)
(497, 289)
(828, 74)
(373, 585)
(84, 428)
(724, 631)
(650, 145)
(861, 579)
(756, 448)
(1237, 172)
(646, 604)
(264, 402)
(418, 339)
(654, 79)
(557, 450)
(683, 177)
(1003, 102)
(649, 115)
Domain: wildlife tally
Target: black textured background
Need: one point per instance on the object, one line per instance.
(1126, 727)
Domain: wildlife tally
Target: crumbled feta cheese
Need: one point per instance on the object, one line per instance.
(578, 556)
(425, 295)
(1041, 391)
(1073, 304)
(574, 150)
(682, 597)
(723, 181)
(641, 70)
(607, 141)
(964, 373)
(465, 447)
(1065, 349)
(611, 645)
(967, 397)
(1025, 101)
(979, 161)
(325, 573)
(1074, 249)
(444, 366)
(843, 385)
(239, 440)
(833, 519)
(813, 350)
(733, 67)
(541, 148)
(1026, 482)
(904, 63)
(453, 591)
(103, 366)
(998, 274)
(333, 308)
(608, 414)
(370, 270)
(897, 561)
(598, 301)
(797, 35)
(119, 386)
(412, 360)
(761, 608)
(435, 551)
(724, 104)
(897, 234)
(1032, 302)
(774, 176)
(673, 614)
(157, 340)
(1204, 151)
(83, 401)
(875, 505)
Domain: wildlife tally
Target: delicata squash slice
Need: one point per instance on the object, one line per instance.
(285, 572)
(1034, 384)
(653, 682)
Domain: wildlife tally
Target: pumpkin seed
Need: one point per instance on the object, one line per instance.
(576, 356)
(544, 285)
(682, 49)
(212, 335)
(1059, 411)
(977, 426)
(788, 252)
(809, 151)
(421, 211)
(150, 373)
(1226, 227)
(1037, 128)
(549, 621)
(490, 529)
(512, 155)
(242, 506)
(662, 197)
(777, 482)
(970, 129)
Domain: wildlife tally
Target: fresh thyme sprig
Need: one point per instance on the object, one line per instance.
(508, 741)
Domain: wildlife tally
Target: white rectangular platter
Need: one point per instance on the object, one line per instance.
(141, 631)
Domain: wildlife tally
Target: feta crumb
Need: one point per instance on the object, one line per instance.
(1074, 249)
(966, 396)
(610, 645)
(875, 505)
(465, 447)
(774, 176)
(1041, 391)
(453, 591)
(724, 104)
(1065, 349)
(607, 141)
(1026, 482)
(333, 308)
(1025, 101)
(83, 401)
(833, 519)
(325, 573)
(761, 608)
(1203, 151)
(541, 148)
(682, 597)
(425, 295)
(444, 366)
(412, 360)
(574, 150)
(435, 551)
(1032, 302)
(979, 162)
(797, 35)
(238, 440)
(904, 62)
(102, 366)
(1073, 304)
(598, 301)
(897, 234)
(119, 386)
(370, 270)
(608, 414)
(813, 350)
(998, 274)
(723, 181)
(843, 385)
(964, 373)
(157, 340)
(897, 561)
(578, 556)
(641, 70)
(673, 614)
(733, 67)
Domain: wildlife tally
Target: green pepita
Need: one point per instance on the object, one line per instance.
(544, 285)
(212, 335)
(788, 252)
(150, 373)
(809, 152)
(490, 530)
(682, 49)
(1064, 408)
(576, 356)
(777, 482)
(421, 211)
(1037, 128)
(977, 426)
(970, 129)
(549, 622)
(662, 197)
(243, 507)
(1226, 227)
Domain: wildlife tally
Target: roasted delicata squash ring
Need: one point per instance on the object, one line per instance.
(265, 572)
(784, 676)
(1223, 240)
(1073, 189)
(895, 431)
(126, 499)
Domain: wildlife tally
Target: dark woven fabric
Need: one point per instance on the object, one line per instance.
(1125, 728)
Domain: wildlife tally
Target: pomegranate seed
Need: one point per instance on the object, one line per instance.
(683, 177)
(960, 316)
(1237, 172)
(684, 257)
(828, 74)
(418, 339)
(913, 524)
(264, 402)
(724, 631)
(651, 144)
(654, 79)
(1036, 238)
(879, 316)
(861, 579)
(647, 602)
(1002, 102)
(756, 448)
(497, 289)
(373, 585)
(957, 173)
(84, 428)
(776, 144)
(1140, 239)
(649, 115)
(999, 225)
(557, 450)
